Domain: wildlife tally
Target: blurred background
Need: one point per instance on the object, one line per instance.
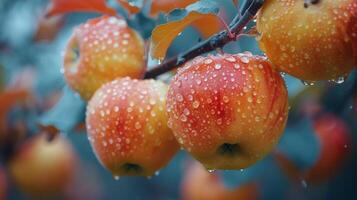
(31, 82)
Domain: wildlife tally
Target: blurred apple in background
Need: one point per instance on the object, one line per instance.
(199, 184)
(335, 146)
(335, 141)
(43, 168)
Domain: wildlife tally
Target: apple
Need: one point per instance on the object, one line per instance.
(309, 41)
(127, 127)
(101, 50)
(43, 168)
(228, 111)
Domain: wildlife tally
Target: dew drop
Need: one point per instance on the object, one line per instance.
(137, 125)
(217, 66)
(183, 118)
(308, 83)
(225, 99)
(195, 104)
(339, 80)
(245, 60)
(208, 61)
(304, 183)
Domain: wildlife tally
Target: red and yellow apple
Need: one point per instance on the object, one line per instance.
(127, 127)
(228, 111)
(335, 147)
(311, 42)
(101, 50)
(42, 168)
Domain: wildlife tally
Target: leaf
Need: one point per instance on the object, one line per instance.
(163, 35)
(166, 6)
(65, 115)
(235, 2)
(215, 25)
(66, 6)
(8, 99)
(132, 6)
(48, 28)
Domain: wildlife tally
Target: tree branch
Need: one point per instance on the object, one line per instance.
(218, 40)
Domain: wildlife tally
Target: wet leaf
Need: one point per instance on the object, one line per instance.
(179, 19)
(66, 115)
(66, 6)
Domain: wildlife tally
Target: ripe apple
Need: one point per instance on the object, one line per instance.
(228, 111)
(335, 147)
(311, 42)
(42, 168)
(127, 127)
(101, 50)
(198, 184)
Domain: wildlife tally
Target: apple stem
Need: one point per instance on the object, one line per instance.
(250, 9)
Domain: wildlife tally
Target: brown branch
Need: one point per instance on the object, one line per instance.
(216, 41)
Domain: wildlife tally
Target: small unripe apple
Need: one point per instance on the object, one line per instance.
(311, 42)
(198, 184)
(101, 50)
(335, 147)
(42, 168)
(228, 111)
(127, 127)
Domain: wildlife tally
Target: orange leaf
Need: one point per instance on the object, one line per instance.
(214, 22)
(132, 9)
(163, 35)
(48, 27)
(287, 165)
(66, 6)
(166, 6)
(8, 100)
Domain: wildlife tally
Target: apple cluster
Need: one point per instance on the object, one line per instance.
(227, 110)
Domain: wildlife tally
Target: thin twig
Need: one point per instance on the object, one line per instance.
(218, 40)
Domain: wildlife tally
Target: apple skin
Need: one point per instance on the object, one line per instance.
(198, 184)
(3, 184)
(335, 141)
(42, 168)
(101, 50)
(127, 127)
(228, 111)
(309, 43)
